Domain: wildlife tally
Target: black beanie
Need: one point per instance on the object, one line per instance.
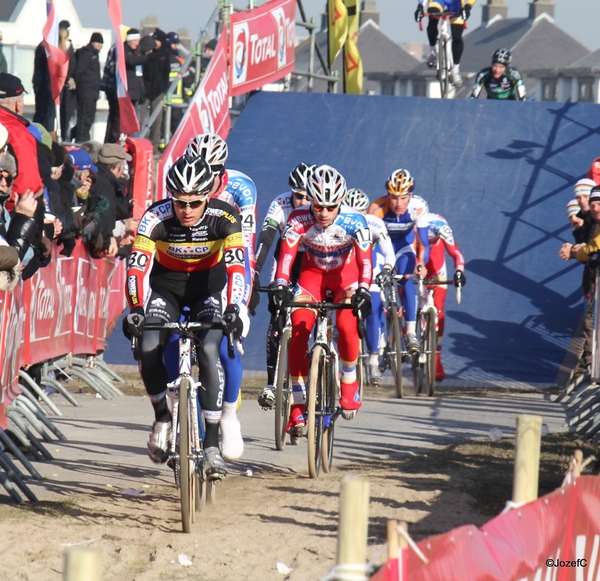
(97, 37)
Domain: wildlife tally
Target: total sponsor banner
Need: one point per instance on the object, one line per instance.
(65, 307)
(207, 113)
(555, 538)
(262, 45)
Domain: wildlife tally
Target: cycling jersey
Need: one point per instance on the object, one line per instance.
(346, 241)
(441, 238)
(509, 86)
(448, 6)
(201, 256)
(401, 227)
(383, 250)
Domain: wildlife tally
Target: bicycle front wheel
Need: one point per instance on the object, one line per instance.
(443, 67)
(283, 393)
(329, 409)
(187, 472)
(315, 404)
(395, 353)
(430, 338)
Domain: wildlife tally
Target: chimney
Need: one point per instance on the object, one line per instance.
(368, 11)
(538, 7)
(148, 25)
(493, 8)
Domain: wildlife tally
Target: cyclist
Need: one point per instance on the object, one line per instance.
(500, 81)
(277, 215)
(191, 246)
(337, 259)
(456, 26)
(402, 212)
(237, 189)
(383, 262)
(441, 239)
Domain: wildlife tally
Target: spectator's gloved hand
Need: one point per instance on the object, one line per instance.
(133, 325)
(384, 277)
(232, 323)
(419, 13)
(71, 84)
(279, 299)
(255, 298)
(459, 279)
(466, 11)
(361, 302)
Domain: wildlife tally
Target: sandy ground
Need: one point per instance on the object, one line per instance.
(276, 515)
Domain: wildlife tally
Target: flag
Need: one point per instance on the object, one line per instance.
(353, 70)
(337, 27)
(58, 60)
(128, 118)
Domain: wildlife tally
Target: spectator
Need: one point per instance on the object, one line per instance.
(68, 98)
(135, 57)
(156, 82)
(3, 63)
(109, 86)
(45, 109)
(576, 223)
(87, 80)
(21, 142)
(207, 53)
(93, 148)
(175, 62)
(594, 171)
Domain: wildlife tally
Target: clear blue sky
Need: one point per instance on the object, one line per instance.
(579, 18)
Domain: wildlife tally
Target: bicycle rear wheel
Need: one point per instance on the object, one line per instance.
(395, 353)
(187, 471)
(315, 404)
(442, 64)
(430, 338)
(283, 393)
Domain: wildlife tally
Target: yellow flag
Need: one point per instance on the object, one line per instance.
(337, 17)
(353, 69)
(353, 9)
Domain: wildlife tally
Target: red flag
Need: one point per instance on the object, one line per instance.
(58, 59)
(128, 118)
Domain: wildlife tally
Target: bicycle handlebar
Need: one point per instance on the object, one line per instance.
(443, 16)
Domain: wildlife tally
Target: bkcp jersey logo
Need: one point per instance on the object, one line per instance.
(279, 16)
(240, 52)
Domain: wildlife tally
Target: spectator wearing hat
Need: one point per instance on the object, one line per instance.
(207, 53)
(87, 79)
(3, 63)
(21, 143)
(136, 55)
(68, 98)
(156, 83)
(576, 223)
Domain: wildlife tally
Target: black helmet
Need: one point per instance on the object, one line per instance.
(501, 56)
(299, 176)
(190, 176)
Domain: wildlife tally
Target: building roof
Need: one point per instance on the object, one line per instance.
(7, 7)
(591, 61)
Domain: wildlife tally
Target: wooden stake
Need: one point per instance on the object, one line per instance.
(353, 527)
(527, 458)
(392, 539)
(401, 539)
(82, 564)
(577, 462)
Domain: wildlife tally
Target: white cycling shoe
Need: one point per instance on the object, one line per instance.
(158, 442)
(232, 443)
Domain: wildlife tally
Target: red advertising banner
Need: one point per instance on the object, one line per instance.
(555, 538)
(140, 168)
(262, 45)
(65, 307)
(207, 113)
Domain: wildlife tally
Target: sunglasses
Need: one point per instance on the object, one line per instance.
(7, 178)
(300, 196)
(319, 208)
(182, 204)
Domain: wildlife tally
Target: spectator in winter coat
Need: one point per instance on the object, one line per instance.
(87, 79)
(68, 98)
(135, 58)
(45, 110)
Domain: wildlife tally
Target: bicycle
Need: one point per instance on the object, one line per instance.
(322, 393)
(445, 60)
(423, 364)
(187, 432)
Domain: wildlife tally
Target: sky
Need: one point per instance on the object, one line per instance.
(579, 18)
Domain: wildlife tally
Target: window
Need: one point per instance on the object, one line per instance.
(419, 89)
(388, 87)
(549, 90)
(586, 91)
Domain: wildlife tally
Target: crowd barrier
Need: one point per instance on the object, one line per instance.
(554, 538)
(66, 307)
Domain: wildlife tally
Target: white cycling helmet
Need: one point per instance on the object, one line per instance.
(211, 147)
(326, 186)
(190, 176)
(357, 199)
(299, 176)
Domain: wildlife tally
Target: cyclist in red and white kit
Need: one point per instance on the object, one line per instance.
(441, 240)
(337, 258)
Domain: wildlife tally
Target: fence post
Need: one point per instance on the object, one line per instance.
(353, 528)
(311, 58)
(527, 458)
(392, 539)
(82, 564)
